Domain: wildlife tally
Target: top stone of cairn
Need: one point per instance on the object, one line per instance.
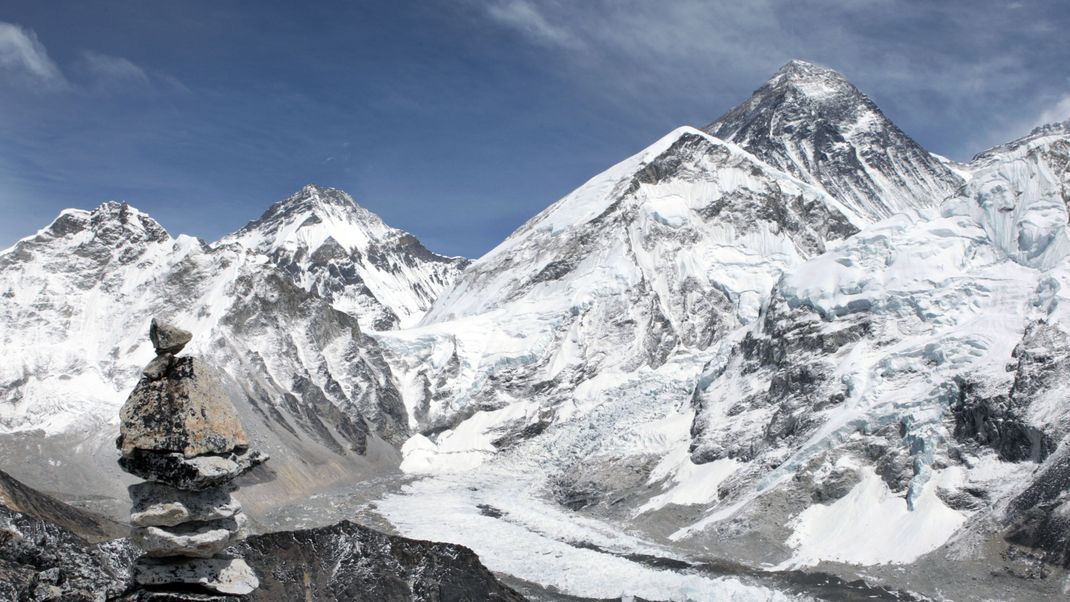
(179, 406)
(167, 338)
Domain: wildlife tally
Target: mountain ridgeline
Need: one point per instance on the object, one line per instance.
(793, 338)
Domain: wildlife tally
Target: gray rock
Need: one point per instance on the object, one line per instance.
(168, 338)
(835, 485)
(221, 575)
(158, 367)
(159, 505)
(187, 412)
(196, 539)
(177, 596)
(40, 558)
(191, 474)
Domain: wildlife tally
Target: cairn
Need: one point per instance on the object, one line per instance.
(179, 431)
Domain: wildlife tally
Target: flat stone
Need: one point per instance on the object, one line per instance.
(176, 596)
(159, 505)
(158, 367)
(190, 474)
(196, 539)
(220, 575)
(187, 412)
(167, 338)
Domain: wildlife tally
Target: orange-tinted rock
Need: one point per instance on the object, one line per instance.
(188, 412)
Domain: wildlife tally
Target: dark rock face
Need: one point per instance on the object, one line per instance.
(1040, 516)
(349, 562)
(998, 421)
(42, 561)
(794, 351)
(994, 422)
(814, 124)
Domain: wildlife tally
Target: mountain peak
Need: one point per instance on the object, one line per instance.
(334, 247)
(311, 215)
(811, 122)
(800, 69)
(110, 221)
(314, 196)
(814, 83)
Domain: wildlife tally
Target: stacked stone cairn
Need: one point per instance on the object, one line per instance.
(180, 432)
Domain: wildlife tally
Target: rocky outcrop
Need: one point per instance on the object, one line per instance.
(351, 562)
(41, 561)
(180, 431)
(19, 497)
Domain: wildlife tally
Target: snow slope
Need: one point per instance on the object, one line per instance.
(884, 354)
(604, 281)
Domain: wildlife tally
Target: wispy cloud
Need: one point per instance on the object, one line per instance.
(24, 57)
(24, 60)
(106, 69)
(933, 64)
(528, 18)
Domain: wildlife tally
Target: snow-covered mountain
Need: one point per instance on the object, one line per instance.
(263, 305)
(670, 249)
(909, 378)
(814, 124)
(621, 355)
(344, 253)
(792, 339)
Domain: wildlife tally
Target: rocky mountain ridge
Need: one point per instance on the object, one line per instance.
(752, 342)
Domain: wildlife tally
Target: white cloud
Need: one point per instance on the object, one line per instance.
(527, 18)
(1058, 111)
(23, 57)
(23, 54)
(108, 69)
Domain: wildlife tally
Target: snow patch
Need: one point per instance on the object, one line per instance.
(872, 525)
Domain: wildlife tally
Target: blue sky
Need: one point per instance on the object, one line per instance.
(458, 120)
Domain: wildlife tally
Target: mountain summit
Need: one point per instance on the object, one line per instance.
(811, 122)
(339, 250)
